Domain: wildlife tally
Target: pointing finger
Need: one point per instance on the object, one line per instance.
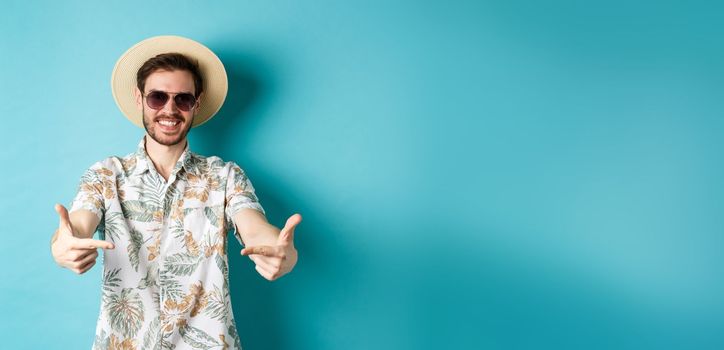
(261, 250)
(89, 243)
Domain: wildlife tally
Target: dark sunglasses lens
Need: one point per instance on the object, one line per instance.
(156, 99)
(185, 102)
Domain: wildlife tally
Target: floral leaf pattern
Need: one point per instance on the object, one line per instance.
(233, 334)
(165, 286)
(115, 226)
(135, 241)
(139, 211)
(125, 312)
(182, 264)
(153, 337)
(101, 341)
(121, 344)
(151, 278)
(218, 305)
(211, 215)
(111, 281)
(198, 338)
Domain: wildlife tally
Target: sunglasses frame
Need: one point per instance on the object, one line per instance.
(171, 96)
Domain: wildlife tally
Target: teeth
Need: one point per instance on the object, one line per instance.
(167, 122)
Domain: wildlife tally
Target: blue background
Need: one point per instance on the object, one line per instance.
(472, 174)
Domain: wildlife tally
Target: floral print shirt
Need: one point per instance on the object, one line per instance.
(165, 285)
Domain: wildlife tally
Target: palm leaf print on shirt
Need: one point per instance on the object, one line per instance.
(198, 338)
(140, 211)
(182, 264)
(134, 248)
(125, 312)
(115, 226)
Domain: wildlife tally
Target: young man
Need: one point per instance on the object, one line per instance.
(163, 211)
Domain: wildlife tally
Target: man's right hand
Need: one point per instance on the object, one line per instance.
(76, 254)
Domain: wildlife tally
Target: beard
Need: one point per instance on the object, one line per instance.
(159, 136)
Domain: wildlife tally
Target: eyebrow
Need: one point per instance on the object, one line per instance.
(171, 92)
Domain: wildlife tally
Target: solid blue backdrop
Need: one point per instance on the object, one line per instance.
(472, 174)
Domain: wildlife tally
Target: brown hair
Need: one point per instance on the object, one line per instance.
(170, 62)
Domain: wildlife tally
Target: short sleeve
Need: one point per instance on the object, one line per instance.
(239, 195)
(90, 193)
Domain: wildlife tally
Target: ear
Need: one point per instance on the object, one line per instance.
(198, 103)
(139, 100)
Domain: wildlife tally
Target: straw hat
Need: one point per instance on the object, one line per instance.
(123, 78)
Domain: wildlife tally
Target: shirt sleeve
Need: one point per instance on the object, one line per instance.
(90, 193)
(239, 195)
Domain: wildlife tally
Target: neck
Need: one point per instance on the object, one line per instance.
(164, 157)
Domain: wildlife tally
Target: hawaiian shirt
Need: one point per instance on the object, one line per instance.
(166, 283)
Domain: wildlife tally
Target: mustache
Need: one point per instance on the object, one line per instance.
(173, 116)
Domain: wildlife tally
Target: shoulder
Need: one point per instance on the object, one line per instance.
(113, 166)
(213, 165)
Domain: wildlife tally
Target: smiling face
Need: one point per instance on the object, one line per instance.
(169, 125)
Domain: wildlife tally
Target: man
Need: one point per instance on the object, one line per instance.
(163, 211)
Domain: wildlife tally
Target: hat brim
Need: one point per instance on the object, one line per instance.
(123, 78)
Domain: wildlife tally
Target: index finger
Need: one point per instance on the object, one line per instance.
(261, 250)
(89, 243)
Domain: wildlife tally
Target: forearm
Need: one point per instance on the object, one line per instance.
(254, 229)
(84, 224)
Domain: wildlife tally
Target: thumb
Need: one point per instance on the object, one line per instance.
(287, 233)
(64, 219)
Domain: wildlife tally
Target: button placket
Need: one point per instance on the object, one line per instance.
(160, 219)
(163, 223)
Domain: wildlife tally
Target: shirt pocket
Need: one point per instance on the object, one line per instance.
(202, 224)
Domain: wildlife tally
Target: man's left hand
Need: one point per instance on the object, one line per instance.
(274, 261)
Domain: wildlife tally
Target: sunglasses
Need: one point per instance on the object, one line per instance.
(157, 99)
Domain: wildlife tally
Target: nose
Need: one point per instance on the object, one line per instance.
(170, 106)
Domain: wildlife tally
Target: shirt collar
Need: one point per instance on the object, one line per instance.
(143, 161)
